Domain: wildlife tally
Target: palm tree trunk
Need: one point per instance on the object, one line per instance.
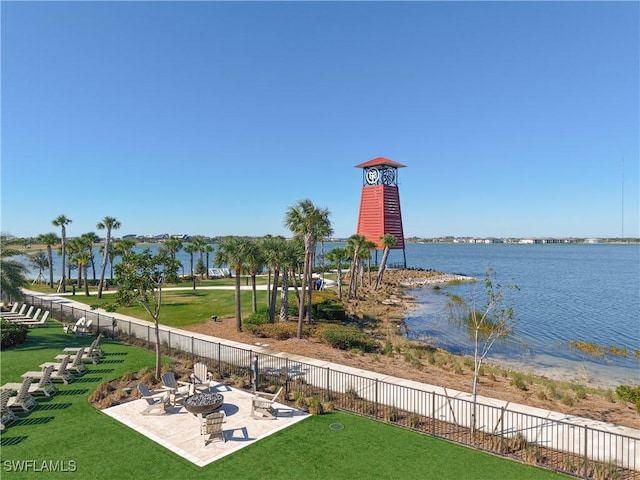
(383, 266)
(254, 294)
(274, 295)
(105, 257)
(50, 257)
(86, 282)
(237, 299)
(284, 297)
(301, 306)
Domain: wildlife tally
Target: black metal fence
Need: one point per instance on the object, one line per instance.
(572, 448)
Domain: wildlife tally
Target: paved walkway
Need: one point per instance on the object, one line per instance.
(179, 430)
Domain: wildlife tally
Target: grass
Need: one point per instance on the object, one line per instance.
(66, 428)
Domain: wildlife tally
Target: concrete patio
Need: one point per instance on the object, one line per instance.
(179, 430)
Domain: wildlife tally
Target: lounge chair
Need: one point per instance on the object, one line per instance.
(13, 313)
(26, 318)
(6, 415)
(211, 426)
(156, 403)
(14, 309)
(23, 399)
(177, 389)
(62, 373)
(72, 328)
(76, 363)
(22, 314)
(201, 377)
(262, 405)
(36, 323)
(85, 328)
(94, 348)
(44, 386)
(88, 356)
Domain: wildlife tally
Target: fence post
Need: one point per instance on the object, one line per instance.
(501, 430)
(219, 360)
(148, 339)
(328, 387)
(586, 458)
(193, 347)
(433, 413)
(286, 376)
(375, 410)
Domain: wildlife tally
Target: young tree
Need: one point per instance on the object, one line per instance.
(140, 277)
(108, 223)
(62, 222)
(40, 261)
(388, 241)
(486, 326)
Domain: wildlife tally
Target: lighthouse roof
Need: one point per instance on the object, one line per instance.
(380, 161)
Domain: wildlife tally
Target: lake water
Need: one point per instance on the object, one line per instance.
(587, 293)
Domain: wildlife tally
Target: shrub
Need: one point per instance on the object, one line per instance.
(315, 406)
(517, 380)
(258, 318)
(279, 330)
(629, 393)
(347, 338)
(330, 312)
(13, 333)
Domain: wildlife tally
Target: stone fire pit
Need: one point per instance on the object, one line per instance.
(203, 403)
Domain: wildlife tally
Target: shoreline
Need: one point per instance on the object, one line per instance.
(546, 365)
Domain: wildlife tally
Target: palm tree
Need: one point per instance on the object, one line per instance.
(267, 245)
(62, 222)
(108, 223)
(200, 244)
(274, 251)
(365, 254)
(83, 259)
(120, 248)
(207, 250)
(173, 245)
(90, 238)
(49, 240)
(337, 255)
(73, 248)
(12, 274)
(312, 224)
(355, 244)
(192, 248)
(254, 262)
(293, 252)
(388, 241)
(40, 261)
(233, 252)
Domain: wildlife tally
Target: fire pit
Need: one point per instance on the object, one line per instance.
(203, 403)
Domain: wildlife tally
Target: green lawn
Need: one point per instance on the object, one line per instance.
(65, 429)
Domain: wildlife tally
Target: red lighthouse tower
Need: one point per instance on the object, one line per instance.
(380, 202)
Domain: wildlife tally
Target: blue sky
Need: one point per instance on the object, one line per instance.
(212, 118)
